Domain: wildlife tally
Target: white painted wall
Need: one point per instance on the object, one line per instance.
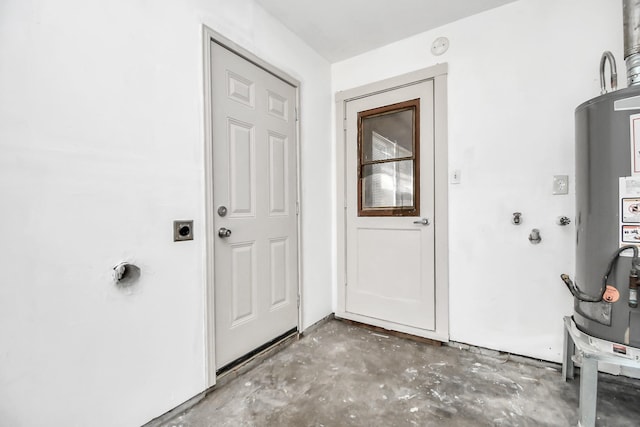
(516, 75)
(101, 148)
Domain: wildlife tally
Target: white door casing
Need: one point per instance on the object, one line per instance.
(391, 272)
(253, 280)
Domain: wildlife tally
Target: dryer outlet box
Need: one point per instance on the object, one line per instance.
(182, 230)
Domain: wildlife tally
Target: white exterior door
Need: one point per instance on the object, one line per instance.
(255, 205)
(390, 209)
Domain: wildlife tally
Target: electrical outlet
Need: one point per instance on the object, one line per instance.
(182, 230)
(560, 184)
(455, 176)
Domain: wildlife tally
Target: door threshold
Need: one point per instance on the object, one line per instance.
(253, 358)
(398, 334)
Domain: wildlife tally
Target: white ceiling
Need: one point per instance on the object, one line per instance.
(340, 29)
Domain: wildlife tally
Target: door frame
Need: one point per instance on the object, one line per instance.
(211, 36)
(438, 74)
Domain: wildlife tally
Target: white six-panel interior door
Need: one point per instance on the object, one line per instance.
(254, 205)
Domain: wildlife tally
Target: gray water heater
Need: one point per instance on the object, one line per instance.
(607, 186)
(603, 156)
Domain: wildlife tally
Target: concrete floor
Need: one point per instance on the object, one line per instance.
(343, 375)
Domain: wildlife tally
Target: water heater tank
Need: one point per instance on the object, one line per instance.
(603, 155)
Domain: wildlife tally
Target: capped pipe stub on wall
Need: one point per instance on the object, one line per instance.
(125, 274)
(534, 236)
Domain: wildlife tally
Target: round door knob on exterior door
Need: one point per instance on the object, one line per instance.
(224, 232)
(423, 221)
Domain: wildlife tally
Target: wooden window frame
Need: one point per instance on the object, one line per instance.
(413, 105)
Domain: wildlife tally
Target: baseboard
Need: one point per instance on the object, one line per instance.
(183, 407)
(223, 379)
(319, 323)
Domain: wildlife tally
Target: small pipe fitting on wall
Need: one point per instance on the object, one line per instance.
(517, 218)
(125, 274)
(534, 236)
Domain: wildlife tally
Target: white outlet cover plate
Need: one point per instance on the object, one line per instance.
(561, 184)
(455, 176)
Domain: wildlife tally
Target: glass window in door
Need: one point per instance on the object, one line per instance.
(388, 160)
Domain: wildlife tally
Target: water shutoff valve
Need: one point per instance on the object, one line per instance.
(517, 218)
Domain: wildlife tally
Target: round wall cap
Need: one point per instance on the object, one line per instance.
(440, 46)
